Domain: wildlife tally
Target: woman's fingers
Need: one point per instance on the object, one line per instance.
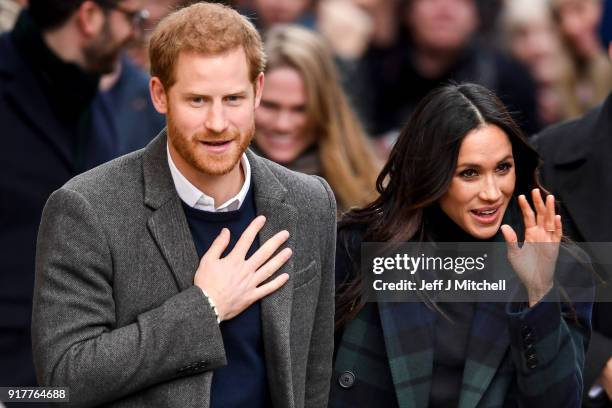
(558, 228)
(539, 205)
(510, 237)
(549, 218)
(528, 214)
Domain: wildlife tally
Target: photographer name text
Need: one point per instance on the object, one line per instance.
(440, 285)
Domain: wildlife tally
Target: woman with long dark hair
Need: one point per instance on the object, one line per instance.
(461, 171)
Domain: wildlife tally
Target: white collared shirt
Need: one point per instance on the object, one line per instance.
(194, 198)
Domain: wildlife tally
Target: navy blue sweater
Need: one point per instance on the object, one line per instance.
(243, 381)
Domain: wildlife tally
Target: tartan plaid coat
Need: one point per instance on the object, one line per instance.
(516, 357)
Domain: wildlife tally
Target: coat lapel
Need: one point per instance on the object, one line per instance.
(276, 308)
(488, 344)
(168, 224)
(489, 339)
(408, 334)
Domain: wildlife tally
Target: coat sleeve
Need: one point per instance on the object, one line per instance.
(76, 342)
(319, 368)
(548, 344)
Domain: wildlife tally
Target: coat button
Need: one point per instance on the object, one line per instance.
(346, 379)
(532, 361)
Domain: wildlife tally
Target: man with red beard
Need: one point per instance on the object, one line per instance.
(160, 277)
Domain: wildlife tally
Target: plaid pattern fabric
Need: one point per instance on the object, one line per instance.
(362, 352)
(388, 350)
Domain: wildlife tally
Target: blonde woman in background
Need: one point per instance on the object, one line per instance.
(531, 36)
(578, 22)
(304, 121)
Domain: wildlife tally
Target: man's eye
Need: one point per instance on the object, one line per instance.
(234, 99)
(468, 173)
(197, 100)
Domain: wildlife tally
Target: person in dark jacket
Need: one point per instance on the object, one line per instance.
(577, 157)
(439, 44)
(50, 64)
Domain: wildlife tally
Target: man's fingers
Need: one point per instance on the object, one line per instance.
(528, 215)
(272, 266)
(271, 287)
(268, 248)
(248, 236)
(218, 246)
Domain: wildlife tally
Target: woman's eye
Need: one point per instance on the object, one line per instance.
(468, 173)
(504, 167)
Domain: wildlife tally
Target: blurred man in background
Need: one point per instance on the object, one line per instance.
(270, 12)
(50, 65)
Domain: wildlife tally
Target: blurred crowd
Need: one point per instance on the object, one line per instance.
(342, 78)
(546, 59)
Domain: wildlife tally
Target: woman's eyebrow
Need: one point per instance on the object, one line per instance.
(475, 165)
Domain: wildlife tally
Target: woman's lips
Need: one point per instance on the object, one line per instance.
(280, 141)
(486, 215)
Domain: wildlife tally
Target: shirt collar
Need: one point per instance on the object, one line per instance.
(196, 199)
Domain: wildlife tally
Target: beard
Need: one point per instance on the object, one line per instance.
(102, 55)
(192, 152)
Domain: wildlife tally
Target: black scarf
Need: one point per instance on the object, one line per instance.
(68, 89)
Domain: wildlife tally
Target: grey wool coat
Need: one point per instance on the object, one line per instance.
(116, 316)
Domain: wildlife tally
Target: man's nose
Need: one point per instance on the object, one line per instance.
(216, 120)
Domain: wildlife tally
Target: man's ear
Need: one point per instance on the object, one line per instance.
(259, 84)
(158, 95)
(90, 19)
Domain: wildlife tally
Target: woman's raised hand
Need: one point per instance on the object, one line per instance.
(535, 262)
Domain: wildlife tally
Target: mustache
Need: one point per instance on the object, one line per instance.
(208, 136)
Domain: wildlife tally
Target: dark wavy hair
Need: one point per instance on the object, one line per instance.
(421, 167)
